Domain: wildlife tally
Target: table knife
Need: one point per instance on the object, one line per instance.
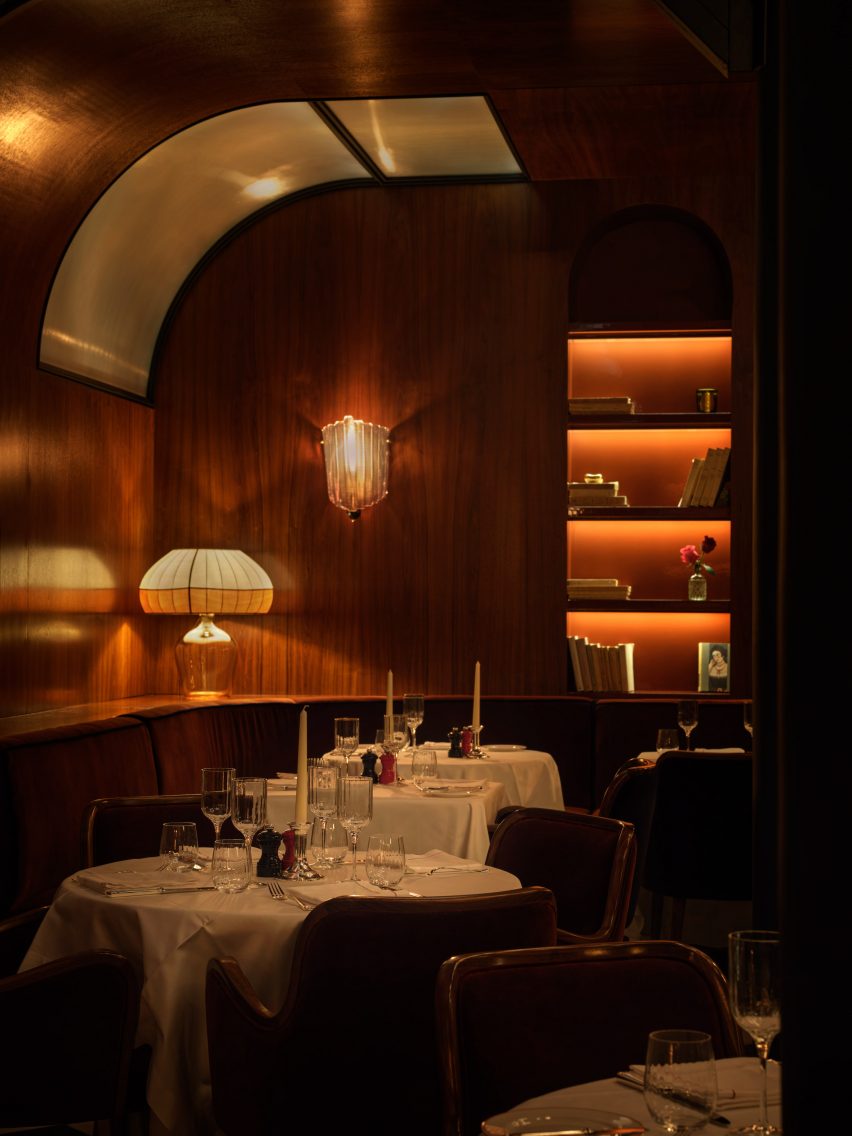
(637, 1082)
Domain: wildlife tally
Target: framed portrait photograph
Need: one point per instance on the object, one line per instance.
(714, 668)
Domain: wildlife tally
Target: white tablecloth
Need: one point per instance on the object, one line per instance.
(531, 777)
(456, 824)
(739, 1074)
(169, 939)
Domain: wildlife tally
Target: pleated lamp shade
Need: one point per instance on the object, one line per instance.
(356, 463)
(206, 582)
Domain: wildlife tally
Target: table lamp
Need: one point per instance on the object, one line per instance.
(206, 582)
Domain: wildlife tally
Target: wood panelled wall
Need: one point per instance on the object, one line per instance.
(438, 311)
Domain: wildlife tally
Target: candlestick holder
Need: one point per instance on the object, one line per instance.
(300, 869)
(476, 749)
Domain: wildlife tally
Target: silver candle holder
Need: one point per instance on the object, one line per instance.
(300, 869)
(476, 749)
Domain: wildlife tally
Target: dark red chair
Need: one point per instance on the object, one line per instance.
(517, 1024)
(128, 828)
(586, 861)
(359, 1009)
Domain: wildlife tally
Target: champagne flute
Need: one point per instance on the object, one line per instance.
(249, 813)
(217, 795)
(394, 740)
(754, 993)
(347, 737)
(354, 809)
(322, 797)
(680, 1079)
(748, 721)
(412, 709)
(687, 718)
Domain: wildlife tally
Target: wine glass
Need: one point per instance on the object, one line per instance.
(412, 709)
(687, 718)
(217, 789)
(748, 721)
(754, 993)
(347, 737)
(354, 808)
(680, 1079)
(322, 797)
(393, 741)
(385, 861)
(249, 813)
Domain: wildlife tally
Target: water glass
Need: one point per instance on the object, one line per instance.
(667, 739)
(424, 768)
(385, 861)
(179, 846)
(230, 871)
(332, 852)
(680, 1079)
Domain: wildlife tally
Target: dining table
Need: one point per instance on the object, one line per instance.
(531, 777)
(169, 935)
(612, 1104)
(453, 816)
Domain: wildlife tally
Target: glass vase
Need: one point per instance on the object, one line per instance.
(697, 587)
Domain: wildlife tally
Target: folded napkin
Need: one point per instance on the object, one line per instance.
(733, 1070)
(142, 881)
(312, 894)
(431, 863)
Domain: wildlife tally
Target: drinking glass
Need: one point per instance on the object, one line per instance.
(687, 718)
(667, 739)
(385, 860)
(424, 768)
(249, 813)
(747, 718)
(680, 1079)
(329, 842)
(412, 710)
(230, 872)
(178, 846)
(322, 797)
(754, 993)
(217, 788)
(354, 808)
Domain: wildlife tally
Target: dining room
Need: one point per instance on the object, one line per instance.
(209, 259)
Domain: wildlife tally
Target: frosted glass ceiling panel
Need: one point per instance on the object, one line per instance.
(435, 137)
(143, 238)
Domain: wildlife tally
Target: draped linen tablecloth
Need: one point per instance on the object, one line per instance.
(169, 938)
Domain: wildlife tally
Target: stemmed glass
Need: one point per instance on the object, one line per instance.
(217, 796)
(322, 797)
(754, 993)
(347, 737)
(680, 1079)
(687, 718)
(249, 813)
(354, 808)
(747, 718)
(412, 709)
(394, 736)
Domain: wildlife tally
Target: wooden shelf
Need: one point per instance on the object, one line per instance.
(646, 513)
(646, 421)
(669, 606)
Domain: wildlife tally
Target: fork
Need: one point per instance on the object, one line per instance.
(278, 892)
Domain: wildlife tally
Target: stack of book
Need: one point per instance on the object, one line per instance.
(616, 404)
(598, 666)
(594, 589)
(707, 481)
(595, 494)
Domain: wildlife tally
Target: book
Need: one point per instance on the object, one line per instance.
(575, 661)
(605, 488)
(610, 592)
(625, 663)
(592, 408)
(591, 582)
(689, 484)
(599, 501)
(715, 476)
(701, 480)
(600, 400)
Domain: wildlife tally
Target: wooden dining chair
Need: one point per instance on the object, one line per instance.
(359, 1010)
(67, 1043)
(516, 1024)
(128, 828)
(16, 935)
(586, 861)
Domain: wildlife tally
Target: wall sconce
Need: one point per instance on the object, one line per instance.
(205, 582)
(356, 463)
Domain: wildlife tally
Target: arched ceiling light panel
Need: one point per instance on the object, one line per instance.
(148, 232)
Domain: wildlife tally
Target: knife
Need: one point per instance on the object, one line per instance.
(159, 890)
(637, 1082)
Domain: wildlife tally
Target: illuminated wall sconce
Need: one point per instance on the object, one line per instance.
(206, 582)
(356, 463)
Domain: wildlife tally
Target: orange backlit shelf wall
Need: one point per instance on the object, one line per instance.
(649, 454)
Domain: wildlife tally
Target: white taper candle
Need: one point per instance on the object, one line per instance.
(389, 699)
(302, 770)
(475, 720)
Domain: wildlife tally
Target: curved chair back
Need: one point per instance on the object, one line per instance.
(361, 998)
(631, 796)
(700, 844)
(16, 934)
(127, 828)
(586, 861)
(579, 1013)
(66, 1054)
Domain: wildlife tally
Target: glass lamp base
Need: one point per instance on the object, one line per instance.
(206, 658)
